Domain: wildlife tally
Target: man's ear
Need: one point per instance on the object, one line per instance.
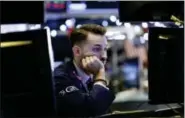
(76, 50)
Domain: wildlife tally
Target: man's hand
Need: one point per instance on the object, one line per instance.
(92, 65)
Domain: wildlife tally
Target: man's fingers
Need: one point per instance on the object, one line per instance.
(84, 63)
(87, 59)
(92, 64)
(94, 58)
(91, 59)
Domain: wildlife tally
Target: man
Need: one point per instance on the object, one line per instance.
(81, 87)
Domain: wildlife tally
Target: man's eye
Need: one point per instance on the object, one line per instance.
(96, 49)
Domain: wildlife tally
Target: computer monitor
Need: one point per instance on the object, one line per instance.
(26, 74)
(166, 65)
(131, 73)
(62, 48)
(13, 12)
(150, 10)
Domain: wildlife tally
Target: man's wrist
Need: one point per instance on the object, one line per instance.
(100, 77)
(101, 84)
(100, 74)
(103, 81)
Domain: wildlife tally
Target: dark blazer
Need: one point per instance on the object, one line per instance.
(73, 100)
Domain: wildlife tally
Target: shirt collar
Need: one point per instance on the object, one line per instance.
(82, 74)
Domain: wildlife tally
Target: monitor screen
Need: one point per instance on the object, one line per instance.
(92, 7)
(26, 74)
(131, 73)
(166, 65)
(22, 12)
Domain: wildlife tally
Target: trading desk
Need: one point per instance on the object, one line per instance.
(175, 112)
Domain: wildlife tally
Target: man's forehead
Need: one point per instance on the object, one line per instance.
(96, 38)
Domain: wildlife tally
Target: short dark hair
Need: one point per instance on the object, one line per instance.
(80, 34)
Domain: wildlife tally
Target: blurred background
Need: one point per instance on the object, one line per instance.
(127, 54)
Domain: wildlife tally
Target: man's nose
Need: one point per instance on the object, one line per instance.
(104, 56)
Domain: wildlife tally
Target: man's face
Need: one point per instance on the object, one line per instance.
(95, 45)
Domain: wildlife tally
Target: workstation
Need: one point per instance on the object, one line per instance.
(145, 73)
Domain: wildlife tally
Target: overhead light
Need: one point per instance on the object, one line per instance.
(69, 23)
(53, 33)
(105, 23)
(118, 23)
(78, 26)
(137, 29)
(109, 33)
(63, 28)
(127, 25)
(113, 18)
(158, 24)
(144, 25)
(120, 37)
(145, 36)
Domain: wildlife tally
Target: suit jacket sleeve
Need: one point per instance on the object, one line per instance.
(71, 100)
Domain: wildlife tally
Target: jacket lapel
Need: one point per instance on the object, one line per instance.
(71, 70)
